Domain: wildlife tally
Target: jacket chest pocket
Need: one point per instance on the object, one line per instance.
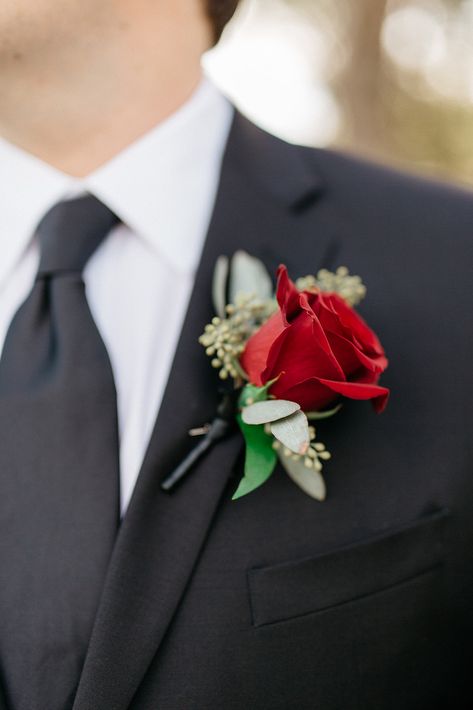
(354, 572)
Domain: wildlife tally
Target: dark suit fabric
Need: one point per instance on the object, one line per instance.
(275, 601)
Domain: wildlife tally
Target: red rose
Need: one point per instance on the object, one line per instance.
(318, 347)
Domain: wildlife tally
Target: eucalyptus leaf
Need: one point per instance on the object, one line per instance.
(248, 275)
(313, 416)
(269, 411)
(219, 285)
(293, 432)
(260, 458)
(308, 479)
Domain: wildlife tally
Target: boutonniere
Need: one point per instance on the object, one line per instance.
(290, 358)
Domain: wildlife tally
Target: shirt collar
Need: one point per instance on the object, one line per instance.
(28, 187)
(162, 186)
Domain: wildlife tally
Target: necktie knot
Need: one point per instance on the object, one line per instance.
(70, 233)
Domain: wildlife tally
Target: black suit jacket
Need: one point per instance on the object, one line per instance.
(364, 601)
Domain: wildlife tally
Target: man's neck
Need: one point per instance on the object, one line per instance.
(77, 135)
(75, 90)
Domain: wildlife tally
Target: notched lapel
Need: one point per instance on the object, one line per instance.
(162, 534)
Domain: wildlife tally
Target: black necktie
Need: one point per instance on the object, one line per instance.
(59, 474)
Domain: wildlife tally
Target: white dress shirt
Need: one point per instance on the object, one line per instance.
(139, 280)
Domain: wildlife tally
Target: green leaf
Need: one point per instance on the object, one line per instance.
(248, 275)
(268, 411)
(251, 393)
(308, 479)
(323, 415)
(260, 458)
(240, 371)
(219, 285)
(293, 432)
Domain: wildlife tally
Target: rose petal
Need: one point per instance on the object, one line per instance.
(351, 357)
(287, 295)
(254, 359)
(318, 347)
(310, 394)
(358, 390)
(301, 352)
(352, 323)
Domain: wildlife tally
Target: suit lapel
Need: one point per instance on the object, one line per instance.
(3, 702)
(162, 534)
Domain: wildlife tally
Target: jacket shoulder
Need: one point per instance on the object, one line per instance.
(364, 180)
(366, 196)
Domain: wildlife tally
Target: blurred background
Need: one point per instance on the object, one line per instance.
(391, 80)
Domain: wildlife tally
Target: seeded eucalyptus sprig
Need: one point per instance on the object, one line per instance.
(350, 288)
(224, 339)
